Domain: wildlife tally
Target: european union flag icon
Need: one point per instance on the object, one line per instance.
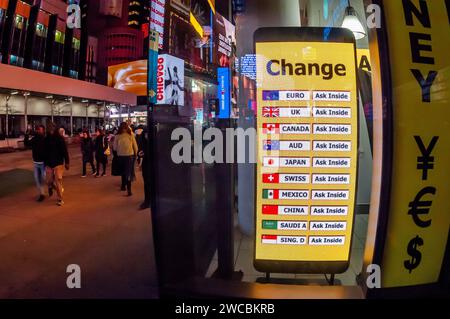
(271, 145)
(271, 95)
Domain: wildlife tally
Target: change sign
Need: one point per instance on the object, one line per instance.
(307, 120)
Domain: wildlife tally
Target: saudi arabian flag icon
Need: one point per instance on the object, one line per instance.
(270, 193)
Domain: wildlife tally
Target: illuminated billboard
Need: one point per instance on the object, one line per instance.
(224, 40)
(130, 77)
(170, 80)
(111, 8)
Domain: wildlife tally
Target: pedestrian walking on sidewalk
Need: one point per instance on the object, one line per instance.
(87, 151)
(143, 146)
(102, 151)
(126, 147)
(56, 158)
(36, 143)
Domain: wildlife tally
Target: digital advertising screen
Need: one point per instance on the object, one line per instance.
(130, 77)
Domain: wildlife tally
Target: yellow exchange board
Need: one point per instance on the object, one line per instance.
(307, 148)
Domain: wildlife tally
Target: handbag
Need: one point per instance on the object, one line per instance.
(108, 149)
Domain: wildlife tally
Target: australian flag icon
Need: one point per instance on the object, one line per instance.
(271, 145)
(271, 95)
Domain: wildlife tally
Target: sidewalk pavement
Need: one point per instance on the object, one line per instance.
(98, 228)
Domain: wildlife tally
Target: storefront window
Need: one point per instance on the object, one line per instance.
(199, 97)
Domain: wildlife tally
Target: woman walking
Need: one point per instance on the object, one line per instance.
(87, 151)
(126, 147)
(101, 151)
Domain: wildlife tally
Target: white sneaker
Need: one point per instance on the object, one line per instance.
(60, 203)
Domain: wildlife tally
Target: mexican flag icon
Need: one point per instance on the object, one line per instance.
(270, 194)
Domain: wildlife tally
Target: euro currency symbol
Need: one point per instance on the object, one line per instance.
(419, 207)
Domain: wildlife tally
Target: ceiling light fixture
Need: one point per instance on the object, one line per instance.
(352, 22)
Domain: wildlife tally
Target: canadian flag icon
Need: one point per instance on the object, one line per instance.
(271, 128)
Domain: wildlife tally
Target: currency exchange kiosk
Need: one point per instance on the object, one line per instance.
(310, 112)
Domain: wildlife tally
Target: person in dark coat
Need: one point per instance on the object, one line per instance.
(36, 143)
(87, 152)
(56, 158)
(143, 153)
(101, 146)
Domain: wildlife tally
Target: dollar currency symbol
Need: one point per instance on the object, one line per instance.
(415, 254)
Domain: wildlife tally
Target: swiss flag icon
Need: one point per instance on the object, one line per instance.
(271, 128)
(271, 178)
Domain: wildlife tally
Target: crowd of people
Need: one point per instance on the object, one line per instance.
(126, 145)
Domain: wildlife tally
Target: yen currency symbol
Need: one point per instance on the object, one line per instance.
(426, 161)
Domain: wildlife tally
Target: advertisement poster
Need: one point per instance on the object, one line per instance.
(224, 93)
(170, 80)
(132, 77)
(307, 121)
(157, 19)
(153, 44)
(224, 40)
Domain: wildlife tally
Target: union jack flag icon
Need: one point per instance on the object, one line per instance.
(271, 112)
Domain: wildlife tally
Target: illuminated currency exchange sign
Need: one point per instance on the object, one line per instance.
(307, 121)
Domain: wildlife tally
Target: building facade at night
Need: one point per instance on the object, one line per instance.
(35, 35)
(138, 13)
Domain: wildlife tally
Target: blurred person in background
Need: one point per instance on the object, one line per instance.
(102, 151)
(36, 143)
(62, 132)
(87, 152)
(143, 154)
(139, 133)
(56, 158)
(126, 147)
